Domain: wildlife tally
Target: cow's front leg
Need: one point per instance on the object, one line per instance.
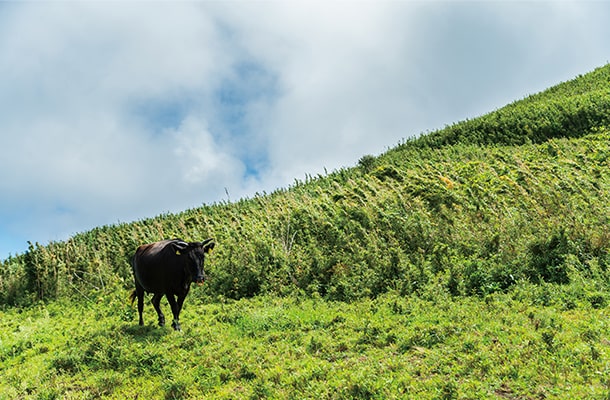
(175, 311)
(156, 300)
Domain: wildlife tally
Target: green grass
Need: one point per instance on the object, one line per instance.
(439, 347)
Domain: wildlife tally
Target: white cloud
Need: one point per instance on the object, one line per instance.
(69, 137)
(198, 158)
(342, 76)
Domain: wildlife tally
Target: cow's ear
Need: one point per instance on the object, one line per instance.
(179, 246)
(208, 245)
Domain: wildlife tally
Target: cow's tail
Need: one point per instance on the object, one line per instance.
(133, 295)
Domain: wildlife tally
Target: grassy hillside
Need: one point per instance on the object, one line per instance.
(472, 262)
(520, 193)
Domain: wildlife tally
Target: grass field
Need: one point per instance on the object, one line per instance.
(432, 347)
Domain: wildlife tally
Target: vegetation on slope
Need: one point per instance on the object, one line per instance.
(518, 194)
(569, 109)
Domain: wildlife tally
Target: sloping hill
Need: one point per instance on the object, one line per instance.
(570, 109)
(521, 193)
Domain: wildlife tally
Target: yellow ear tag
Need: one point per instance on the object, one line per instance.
(177, 252)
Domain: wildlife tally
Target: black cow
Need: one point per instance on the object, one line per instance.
(167, 268)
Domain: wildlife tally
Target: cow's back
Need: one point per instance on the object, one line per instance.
(151, 266)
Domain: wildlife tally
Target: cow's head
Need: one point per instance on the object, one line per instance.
(195, 251)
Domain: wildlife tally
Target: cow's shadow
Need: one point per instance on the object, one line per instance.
(146, 332)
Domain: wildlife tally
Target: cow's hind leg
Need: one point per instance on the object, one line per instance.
(175, 311)
(156, 300)
(139, 293)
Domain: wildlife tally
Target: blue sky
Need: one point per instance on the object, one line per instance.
(118, 111)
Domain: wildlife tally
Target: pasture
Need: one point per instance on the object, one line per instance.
(533, 342)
